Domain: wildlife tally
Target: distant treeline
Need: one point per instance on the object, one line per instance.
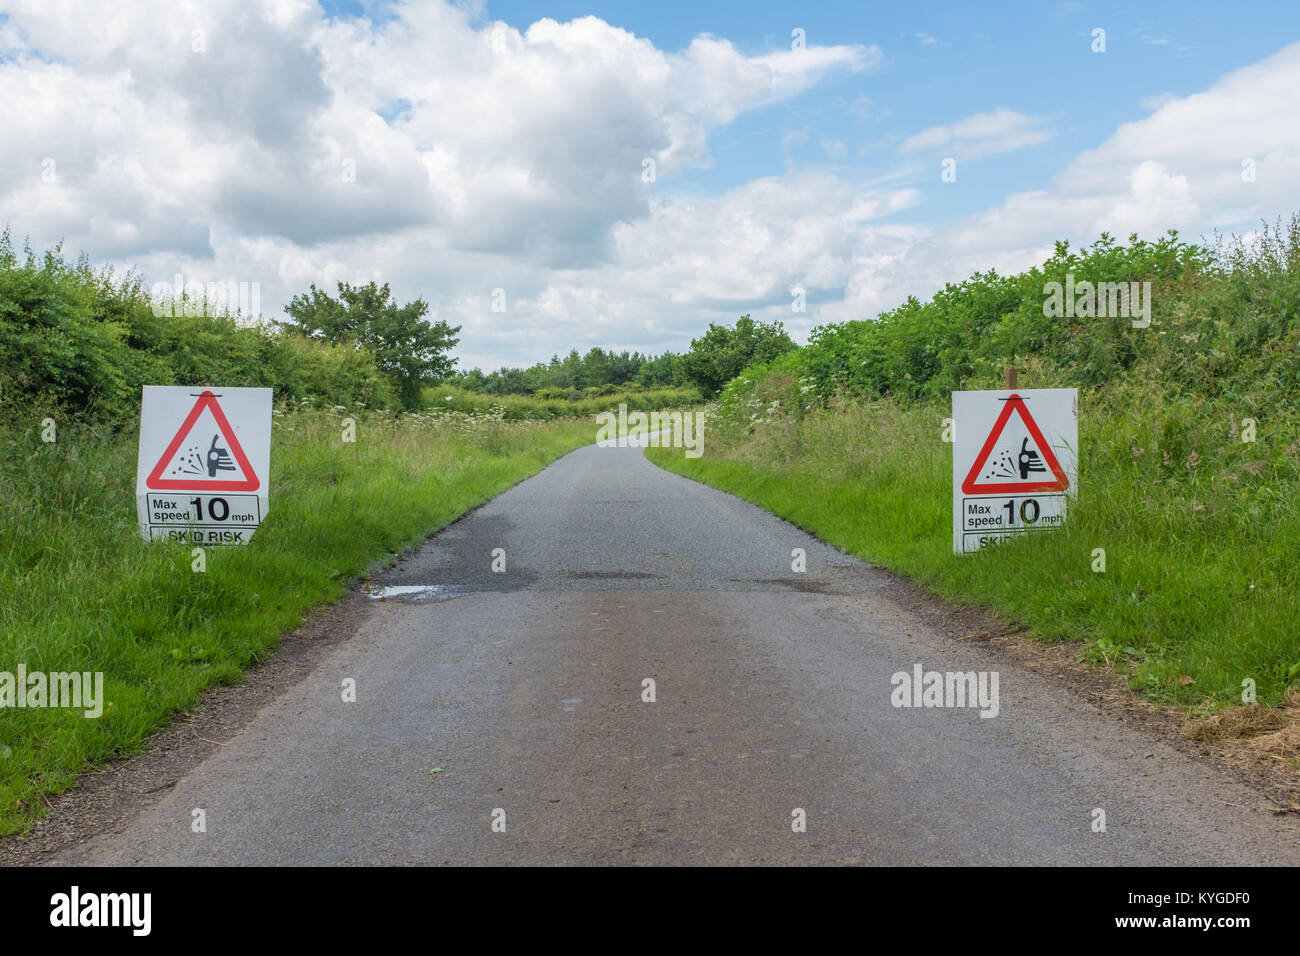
(599, 370)
(712, 360)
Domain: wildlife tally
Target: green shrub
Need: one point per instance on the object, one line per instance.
(1224, 321)
(78, 342)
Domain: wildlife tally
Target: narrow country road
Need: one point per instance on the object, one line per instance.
(524, 690)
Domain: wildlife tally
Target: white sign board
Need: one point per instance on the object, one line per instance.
(204, 463)
(1015, 463)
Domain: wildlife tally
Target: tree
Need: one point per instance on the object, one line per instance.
(408, 350)
(597, 368)
(505, 381)
(474, 380)
(569, 371)
(722, 353)
(660, 370)
(623, 367)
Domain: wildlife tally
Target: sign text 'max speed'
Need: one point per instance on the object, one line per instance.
(204, 463)
(1014, 464)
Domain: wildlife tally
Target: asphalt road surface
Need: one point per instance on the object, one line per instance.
(524, 691)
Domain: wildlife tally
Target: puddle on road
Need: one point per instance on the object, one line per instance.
(414, 593)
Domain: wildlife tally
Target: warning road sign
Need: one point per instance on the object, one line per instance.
(1002, 466)
(195, 443)
(1014, 463)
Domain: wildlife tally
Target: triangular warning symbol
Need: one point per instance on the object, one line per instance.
(1019, 469)
(203, 465)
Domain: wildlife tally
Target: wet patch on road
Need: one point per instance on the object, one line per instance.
(415, 593)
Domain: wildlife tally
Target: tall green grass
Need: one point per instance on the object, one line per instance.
(82, 592)
(1199, 523)
(1201, 587)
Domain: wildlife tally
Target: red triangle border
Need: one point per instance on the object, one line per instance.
(156, 482)
(972, 487)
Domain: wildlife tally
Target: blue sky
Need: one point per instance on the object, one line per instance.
(946, 61)
(423, 145)
(942, 62)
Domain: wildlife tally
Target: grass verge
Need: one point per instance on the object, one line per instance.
(1201, 589)
(82, 592)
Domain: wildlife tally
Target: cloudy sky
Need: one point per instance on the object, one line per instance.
(626, 174)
